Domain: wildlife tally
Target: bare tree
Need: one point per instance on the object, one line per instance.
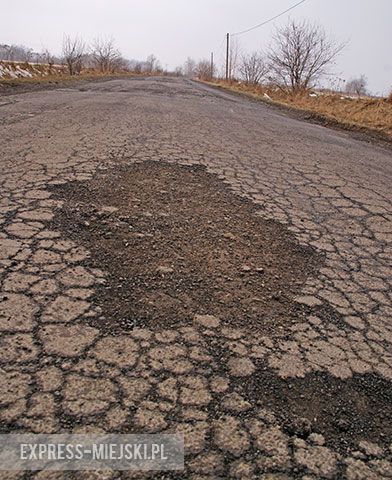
(203, 70)
(152, 64)
(105, 55)
(179, 71)
(301, 54)
(28, 55)
(357, 86)
(47, 57)
(135, 66)
(16, 53)
(190, 67)
(253, 68)
(138, 67)
(73, 53)
(21, 53)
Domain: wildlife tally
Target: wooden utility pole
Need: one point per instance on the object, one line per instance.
(227, 56)
(212, 65)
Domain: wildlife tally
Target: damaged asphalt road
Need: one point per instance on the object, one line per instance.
(178, 259)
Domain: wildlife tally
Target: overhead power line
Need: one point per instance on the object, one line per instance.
(267, 21)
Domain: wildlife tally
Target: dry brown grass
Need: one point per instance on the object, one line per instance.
(366, 112)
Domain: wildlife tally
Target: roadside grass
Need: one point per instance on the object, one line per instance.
(337, 108)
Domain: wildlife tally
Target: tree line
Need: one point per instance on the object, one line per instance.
(101, 55)
(300, 54)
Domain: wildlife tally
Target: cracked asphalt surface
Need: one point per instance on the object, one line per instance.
(309, 400)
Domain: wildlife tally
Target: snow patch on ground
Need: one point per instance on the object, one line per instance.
(28, 70)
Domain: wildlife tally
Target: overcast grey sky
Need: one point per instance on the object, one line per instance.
(175, 29)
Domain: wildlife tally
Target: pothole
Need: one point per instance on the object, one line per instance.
(175, 241)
